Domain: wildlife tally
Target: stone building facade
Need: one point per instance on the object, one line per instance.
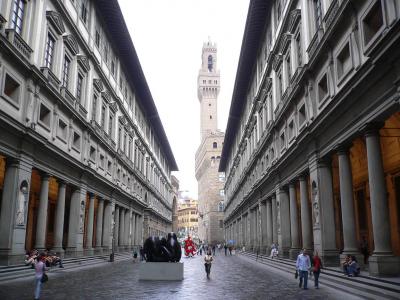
(188, 214)
(84, 159)
(312, 148)
(210, 181)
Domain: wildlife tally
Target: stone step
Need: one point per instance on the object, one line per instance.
(22, 271)
(368, 287)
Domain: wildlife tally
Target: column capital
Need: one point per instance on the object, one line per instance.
(343, 148)
(325, 161)
(372, 128)
(61, 182)
(44, 175)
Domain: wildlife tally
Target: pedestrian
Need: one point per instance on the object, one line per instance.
(40, 269)
(201, 249)
(226, 249)
(141, 252)
(213, 249)
(303, 264)
(208, 260)
(230, 250)
(317, 265)
(364, 249)
(135, 256)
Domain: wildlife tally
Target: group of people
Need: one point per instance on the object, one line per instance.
(49, 259)
(350, 266)
(304, 264)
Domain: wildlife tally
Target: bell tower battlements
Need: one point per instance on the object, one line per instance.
(208, 83)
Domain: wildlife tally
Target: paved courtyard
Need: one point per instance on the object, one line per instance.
(232, 277)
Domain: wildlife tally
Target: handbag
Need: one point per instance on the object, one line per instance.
(45, 278)
(296, 274)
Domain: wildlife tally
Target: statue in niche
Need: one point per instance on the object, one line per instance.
(22, 200)
(82, 212)
(163, 249)
(316, 205)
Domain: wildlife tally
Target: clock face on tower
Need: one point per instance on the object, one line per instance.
(210, 63)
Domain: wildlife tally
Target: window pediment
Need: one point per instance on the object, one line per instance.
(114, 106)
(98, 84)
(71, 43)
(294, 19)
(84, 62)
(277, 61)
(55, 19)
(106, 96)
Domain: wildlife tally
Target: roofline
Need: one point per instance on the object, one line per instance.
(122, 43)
(252, 37)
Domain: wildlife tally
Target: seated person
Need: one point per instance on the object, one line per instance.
(274, 251)
(346, 264)
(353, 268)
(52, 259)
(31, 258)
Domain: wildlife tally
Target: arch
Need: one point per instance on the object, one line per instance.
(215, 145)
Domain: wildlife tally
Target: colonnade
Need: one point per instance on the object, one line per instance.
(309, 222)
(90, 228)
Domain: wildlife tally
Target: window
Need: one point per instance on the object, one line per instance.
(221, 224)
(282, 140)
(221, 206)
(323, 88)
(291, 130)
(11, 88)
(110, 125)
(120, 136)
(18, 15)
(109, 166)
(97, 38)
(79, 86)
(112, 68)
(278, 10)
(94, 107)
(66, 69)
(76, 141)
(221, 177)
(344, 63)
(210, 117)
(373, 22)
(298, 49)
(222, 193)
(84, 10)
(210, 63)
(49, 52)
(130, 148)
(280, 85)
(215, 145)
(44, 115)
(302, 114)
(102, 161)
(103, 117)
(92, 153)
(62, 129)
(288, 66)
(318, 13)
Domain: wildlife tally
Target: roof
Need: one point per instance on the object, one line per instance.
(122, 43)
(252, 37)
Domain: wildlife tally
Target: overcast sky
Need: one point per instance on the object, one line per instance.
(168, 36)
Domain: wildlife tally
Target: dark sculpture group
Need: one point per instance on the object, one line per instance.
(163, 249)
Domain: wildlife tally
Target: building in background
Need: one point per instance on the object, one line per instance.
(208, 155)
(84, 160)
(175, 196)
(188, 218)
(311, 152)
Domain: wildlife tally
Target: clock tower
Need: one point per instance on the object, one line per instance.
(208, 83)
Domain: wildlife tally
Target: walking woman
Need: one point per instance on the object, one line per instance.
(40, 269)
(208, 260)
(317, 265)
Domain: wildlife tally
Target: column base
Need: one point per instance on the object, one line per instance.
(7, 258)
(330, 258)
(382, 265)
(284, 252)
(88, 252)
(294, 252)
(73, 252)
(98, 250)
(59, 251)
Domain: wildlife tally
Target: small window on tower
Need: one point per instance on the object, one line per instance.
(210, 117)
(209, 104)
(210, 63)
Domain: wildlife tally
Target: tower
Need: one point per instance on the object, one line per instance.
(208, 155)
(208, 83)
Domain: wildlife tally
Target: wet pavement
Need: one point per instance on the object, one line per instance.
(232, 277)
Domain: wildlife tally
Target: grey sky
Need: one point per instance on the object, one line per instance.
(168, 36)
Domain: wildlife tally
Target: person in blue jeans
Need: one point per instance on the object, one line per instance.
(303, 264)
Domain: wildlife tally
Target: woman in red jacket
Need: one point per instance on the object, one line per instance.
(317, 265)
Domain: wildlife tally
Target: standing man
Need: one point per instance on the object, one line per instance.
(226, 249)
(303, 264)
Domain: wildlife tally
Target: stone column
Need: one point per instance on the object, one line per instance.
(107, 234)
(347, 205)
(274, 221)
(90, 226)
(269, 225)
(133, 238)
(116, 227)
(284, 222)
(323, 210)
(126, 230)
(41, 224)
(121, 227)
(294, 223)
(76, 222)
(305, 216)
(140, 229)
(382, 261)
(99, 226)
(14, 209)
(263, 214)
(59, 219)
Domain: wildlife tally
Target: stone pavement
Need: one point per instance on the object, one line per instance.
(232, 277)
